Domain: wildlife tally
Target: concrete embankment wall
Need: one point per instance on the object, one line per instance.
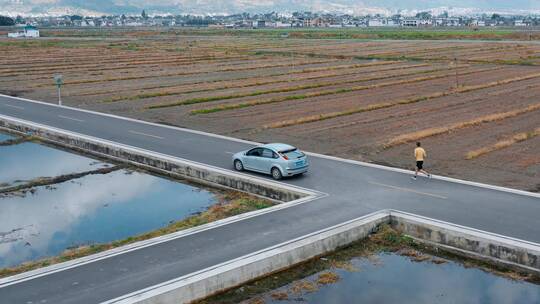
(471, 243)
(163, 164)
(241, 270)
(467, 242)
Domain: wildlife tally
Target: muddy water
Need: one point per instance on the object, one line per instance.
(91, 209)
(392, 278)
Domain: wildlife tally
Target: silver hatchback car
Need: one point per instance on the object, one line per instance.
(278, 160)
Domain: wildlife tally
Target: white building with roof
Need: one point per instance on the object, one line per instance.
(416, 22)
(29, 31)
(381, 22)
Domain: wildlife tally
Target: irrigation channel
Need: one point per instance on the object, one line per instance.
(387, 267)
(52, 200)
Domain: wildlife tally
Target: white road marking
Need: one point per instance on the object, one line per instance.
(70, 118)
(339, 159)
(144, 134)
(229, 152)
(409, 190)
(12, 106)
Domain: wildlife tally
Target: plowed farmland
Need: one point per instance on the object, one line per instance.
(475, 105)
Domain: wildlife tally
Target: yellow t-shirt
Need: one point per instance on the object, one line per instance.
(419, 154)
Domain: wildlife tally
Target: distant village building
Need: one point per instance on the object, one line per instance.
(477, 22)
(447, 22)
(282, 24)
(275, 20)
(319, 22)
(415, 22)
(134, 23)
(409, 23)
(306, 22)
(335, 25)
(381, 22)
(29, 31)
(297, 23)
(87, 22)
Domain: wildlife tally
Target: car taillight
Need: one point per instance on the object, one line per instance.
(284, 156)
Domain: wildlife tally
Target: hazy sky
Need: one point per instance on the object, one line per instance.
(234, 6)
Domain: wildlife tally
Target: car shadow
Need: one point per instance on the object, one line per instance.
(268, 176)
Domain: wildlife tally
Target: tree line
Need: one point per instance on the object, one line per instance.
(6, 21)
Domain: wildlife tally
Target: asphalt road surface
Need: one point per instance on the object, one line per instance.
(353, 190)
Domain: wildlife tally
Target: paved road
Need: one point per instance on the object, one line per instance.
(354, 190)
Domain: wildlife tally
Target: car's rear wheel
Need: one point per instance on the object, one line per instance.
(276, 173)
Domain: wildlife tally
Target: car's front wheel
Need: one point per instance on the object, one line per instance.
(238, 165)
(276, 173)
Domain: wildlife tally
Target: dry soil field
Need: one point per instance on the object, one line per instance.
(474, 104)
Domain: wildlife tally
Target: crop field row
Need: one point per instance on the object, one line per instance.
(471, 103)
(524, 54)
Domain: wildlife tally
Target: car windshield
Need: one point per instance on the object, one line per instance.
(292, 153)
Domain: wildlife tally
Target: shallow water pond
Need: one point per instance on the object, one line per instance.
(392, 278)
(4, 137)
(92, 209)
(29, 160)
(43, 221)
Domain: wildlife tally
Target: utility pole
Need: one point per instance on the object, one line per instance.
(58, 79)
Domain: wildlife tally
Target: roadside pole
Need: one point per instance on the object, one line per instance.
(58, 79)
(456, 65)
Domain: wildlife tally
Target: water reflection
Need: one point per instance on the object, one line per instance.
(29, 160)
(93, 209)
(4, 137)
(396, 279)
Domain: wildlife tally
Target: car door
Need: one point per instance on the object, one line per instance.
(267, 160)
(252, 158)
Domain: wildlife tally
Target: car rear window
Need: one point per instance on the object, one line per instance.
(293, 153)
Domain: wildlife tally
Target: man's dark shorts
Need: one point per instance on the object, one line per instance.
(420, 164)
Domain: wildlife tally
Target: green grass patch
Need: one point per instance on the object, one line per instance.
(370, 33)
(487, 33)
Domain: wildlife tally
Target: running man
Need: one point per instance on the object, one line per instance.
(420, 154)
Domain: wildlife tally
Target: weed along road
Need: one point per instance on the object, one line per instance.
(337, 191)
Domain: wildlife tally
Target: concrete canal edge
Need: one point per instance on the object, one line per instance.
(492, 248)
(471, 243)
(286, 195)
(209, 281)
(161, 163)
